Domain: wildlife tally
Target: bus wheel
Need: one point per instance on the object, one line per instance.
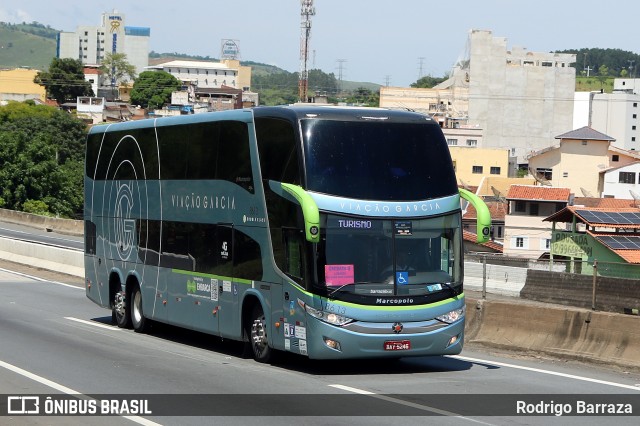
(121, 309)
(138, 321)
(258, 336)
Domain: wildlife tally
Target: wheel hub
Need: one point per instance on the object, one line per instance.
(258, 333)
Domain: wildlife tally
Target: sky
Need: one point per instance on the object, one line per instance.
(378, 41)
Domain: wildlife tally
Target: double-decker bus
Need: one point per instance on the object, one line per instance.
(324, 231)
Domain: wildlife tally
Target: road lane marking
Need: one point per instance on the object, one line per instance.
(405, 403)
(93, 323)
(39, 279)
(539, 370)
(66, 390)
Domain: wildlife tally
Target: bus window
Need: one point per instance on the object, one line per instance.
(214, 150)
(278, 153)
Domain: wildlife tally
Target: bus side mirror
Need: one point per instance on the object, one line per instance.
(310, 211)
(483, 217)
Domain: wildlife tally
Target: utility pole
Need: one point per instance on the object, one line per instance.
(340, 71)
(387, 80)
(631, 68)
(306, 12)
(421, 61)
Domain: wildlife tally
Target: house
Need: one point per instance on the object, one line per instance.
(574, 161)
(526, 232)
(472, 164)
(497, 210)
(17, 85)
(604, 238)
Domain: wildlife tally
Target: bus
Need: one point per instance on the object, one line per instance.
(329, 232)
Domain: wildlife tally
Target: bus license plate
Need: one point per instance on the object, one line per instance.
(397, 345)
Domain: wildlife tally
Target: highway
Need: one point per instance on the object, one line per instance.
(40, 236)
(55, 341)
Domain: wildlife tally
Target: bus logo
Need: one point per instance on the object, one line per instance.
(124, 226)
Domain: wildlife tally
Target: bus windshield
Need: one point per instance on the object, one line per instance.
(379, 257)
(400, 161)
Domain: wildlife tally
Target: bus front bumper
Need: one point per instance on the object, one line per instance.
(371, 340)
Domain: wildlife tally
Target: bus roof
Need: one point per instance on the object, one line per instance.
(291, 112)
(302, 111)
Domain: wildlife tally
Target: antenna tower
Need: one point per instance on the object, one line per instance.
(306, 12)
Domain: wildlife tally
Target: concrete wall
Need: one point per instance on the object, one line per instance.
(62, 226)
(612, 294)
(573, 333)
(70, 262)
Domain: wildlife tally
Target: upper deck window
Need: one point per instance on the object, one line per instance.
(401, 161)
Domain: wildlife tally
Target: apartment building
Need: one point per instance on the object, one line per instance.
(520, 99)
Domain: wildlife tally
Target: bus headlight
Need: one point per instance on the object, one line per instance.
(453, 316)
(328, 317)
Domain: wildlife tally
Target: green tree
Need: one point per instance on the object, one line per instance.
(41, 159)
(64, 80)
(428, 82)
(116, 69)
(152, 89)
(365, 97)
(603, 75)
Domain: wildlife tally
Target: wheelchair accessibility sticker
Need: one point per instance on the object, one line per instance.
(402, 277)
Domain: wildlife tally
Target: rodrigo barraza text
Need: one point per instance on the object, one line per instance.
(574, 408)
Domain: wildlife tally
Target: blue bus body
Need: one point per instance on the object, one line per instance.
(323, 231)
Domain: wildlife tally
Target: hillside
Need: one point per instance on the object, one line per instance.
(24, 49)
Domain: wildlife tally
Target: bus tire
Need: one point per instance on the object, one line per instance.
(138, 320)
(258, 337)
(122, 310)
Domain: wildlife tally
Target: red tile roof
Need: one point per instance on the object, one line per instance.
(606, 203)
(471, 237)
(497, 210)
(535, 192)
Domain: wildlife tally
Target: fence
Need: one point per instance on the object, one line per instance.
(604, 286)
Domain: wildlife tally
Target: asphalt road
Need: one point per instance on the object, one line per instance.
(40, 236)
(54, 341)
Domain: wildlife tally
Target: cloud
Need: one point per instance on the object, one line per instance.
(15, 16)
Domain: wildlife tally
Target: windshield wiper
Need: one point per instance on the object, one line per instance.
(334, 291)
(453, 290)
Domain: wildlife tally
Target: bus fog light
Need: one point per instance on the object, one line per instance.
(453, 340)
(333, 344)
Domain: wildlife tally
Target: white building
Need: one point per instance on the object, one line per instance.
(615, 114)
(91, 109)
(91, 43)
(201, 74)
(621, 182)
